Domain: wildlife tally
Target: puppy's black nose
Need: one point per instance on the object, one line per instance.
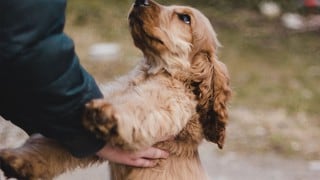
(141, 3)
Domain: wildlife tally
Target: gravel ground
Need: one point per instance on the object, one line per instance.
(229, 166)
(220, 164)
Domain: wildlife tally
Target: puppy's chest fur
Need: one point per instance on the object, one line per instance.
(155, 90)
(186, 142)
(153, 87)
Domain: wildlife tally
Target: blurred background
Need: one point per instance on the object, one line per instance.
(272, 50)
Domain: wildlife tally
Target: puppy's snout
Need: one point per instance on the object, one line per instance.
(141, 3)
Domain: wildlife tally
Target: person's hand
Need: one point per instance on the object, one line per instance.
(143, 158)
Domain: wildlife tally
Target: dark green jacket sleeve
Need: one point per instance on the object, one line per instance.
(43, 88)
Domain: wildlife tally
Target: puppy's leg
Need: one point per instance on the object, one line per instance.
(100, 118)
(39, 158)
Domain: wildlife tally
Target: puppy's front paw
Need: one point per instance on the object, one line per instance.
(16, 165)
(99, 118)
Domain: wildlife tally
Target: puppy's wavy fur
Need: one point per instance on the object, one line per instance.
(179, 89)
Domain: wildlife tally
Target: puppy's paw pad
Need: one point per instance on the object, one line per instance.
(100, 117)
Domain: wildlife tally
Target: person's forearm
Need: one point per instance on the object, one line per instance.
(44, 88)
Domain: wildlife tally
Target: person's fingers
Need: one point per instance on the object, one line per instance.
(143, 158)
(152, 153)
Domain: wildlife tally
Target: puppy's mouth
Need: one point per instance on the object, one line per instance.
(143, 23)
(139, 33)
(154, 38)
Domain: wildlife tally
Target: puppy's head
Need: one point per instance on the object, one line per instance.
(181, 40)
(165, 34)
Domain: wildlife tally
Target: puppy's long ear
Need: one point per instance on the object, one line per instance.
(211, 83)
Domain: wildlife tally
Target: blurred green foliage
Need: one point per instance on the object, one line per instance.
(96, 10)
(250, 4)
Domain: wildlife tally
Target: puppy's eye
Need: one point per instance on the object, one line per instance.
(185, 18)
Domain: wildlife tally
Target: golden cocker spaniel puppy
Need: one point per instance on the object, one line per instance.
(179, 89)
